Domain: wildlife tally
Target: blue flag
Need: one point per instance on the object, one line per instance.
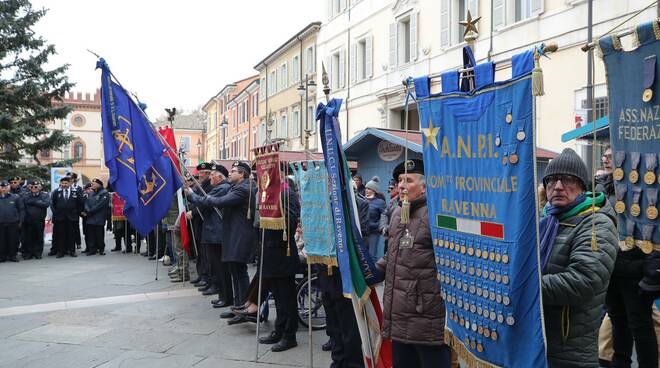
(140, 171)
(479, 168)
(633, 84)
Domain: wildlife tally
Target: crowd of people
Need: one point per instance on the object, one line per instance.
(598, 299)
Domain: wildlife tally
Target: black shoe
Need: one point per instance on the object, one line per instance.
(73, 254)
(210, 291)
(236, 309)
(101, 253)
(59, 255)
(91, 253)
(77, 246)
(198, 279)
(85, 251)
(225, 315)
(222, 304)
(37, 257)
(51, 253)
(204, 287)
(246, 314)
(152, 258)
(284, 344)
(236, 320)
(200, 283)
(328, 345)
(115, 250)
(13, 259)
(180, 279)
(273, 338)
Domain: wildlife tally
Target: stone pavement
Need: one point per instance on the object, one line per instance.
(108, 311)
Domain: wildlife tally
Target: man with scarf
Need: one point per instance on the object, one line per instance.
(576, 262)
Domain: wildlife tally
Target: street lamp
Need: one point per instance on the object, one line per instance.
(303, 91)
(199, 149)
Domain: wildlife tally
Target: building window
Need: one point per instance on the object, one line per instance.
(506, 12)
(451, 13)
(184, 144)
(601, 106)
(311, 119)
(336, 67)
(78, 120)
(283, 78)
(255, 105)
(295, 120)
(78, 150)
(233, 117)
(403, 40)
(272, 81)
(295, 69)
(254, 137)
(45, 153)
(245, 110)
(245, 145)
(282, 130)
(262, 87)
(310, 60)
(361, 59)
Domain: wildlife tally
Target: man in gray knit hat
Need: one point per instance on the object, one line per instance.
(576, 263)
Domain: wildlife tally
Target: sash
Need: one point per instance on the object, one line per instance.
(270, 206)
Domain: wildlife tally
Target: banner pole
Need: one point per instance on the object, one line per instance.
(157, 247)
(309, 313)
(261, 265)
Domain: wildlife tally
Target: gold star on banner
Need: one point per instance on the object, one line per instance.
(469, 24)
(431, 135)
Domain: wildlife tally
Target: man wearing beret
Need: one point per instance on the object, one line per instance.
(239, 235)
(575, 273)
(410, 257)
(12, 213)
(203, 264)
(36, 205)
(16, 186)
(66, 205)
(212, 237)
(95, 213)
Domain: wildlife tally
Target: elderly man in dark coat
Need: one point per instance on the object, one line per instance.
(279, 267)
(95, 213)
(239, 235)
(212, 236)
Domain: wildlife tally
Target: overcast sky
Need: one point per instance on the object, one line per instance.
(170, 52)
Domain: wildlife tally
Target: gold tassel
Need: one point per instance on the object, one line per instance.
(537, 77)
(329, 270)
(594, 243)
(405, 209)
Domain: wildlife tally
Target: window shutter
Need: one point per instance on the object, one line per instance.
(445, 25)
(393, 44)
(342, 4)
(473, 6)
(262, 87)
(330, 8)
(498, 13)
(413, 35)
(536, 7)
(353, 63)
(313, 60)
(328, 69)
(369, 58)
(342, 68)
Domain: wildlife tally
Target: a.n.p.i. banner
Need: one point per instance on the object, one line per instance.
(479, 166)
(634, 97)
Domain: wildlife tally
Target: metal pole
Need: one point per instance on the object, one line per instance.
(157, 247)
(589, 100)
(261, 265)
(309, 313)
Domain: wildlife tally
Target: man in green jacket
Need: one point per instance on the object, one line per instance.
(576, 262)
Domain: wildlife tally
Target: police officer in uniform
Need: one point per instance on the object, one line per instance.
(16, 187)
(202, 263)
(75, 186)
(95, 213)
(66, 204)
(87, 189)
(36, 205)
(11, 218)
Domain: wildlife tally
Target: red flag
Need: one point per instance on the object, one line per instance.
(168, 135)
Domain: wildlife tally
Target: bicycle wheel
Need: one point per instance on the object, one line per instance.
(318, 312)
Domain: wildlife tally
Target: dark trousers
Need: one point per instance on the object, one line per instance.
(240, 281)
(64, 233)
(422, 356)
(96, 236)
(631, 315)
(340, 323)
(86, 237)
(252, 293)
(156, 242)
(284, 293)
(33, 238)
(220, 276)
(202, 261)
(76, 234)
(8, 241)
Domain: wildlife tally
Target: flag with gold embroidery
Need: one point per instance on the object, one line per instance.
(140, 170)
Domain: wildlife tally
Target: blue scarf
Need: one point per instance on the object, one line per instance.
(549, 225)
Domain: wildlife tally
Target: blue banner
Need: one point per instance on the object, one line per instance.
(634, 103)
(479, 168)
(315, 212)
(140, 172)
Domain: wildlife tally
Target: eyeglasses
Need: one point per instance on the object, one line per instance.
(566, 180)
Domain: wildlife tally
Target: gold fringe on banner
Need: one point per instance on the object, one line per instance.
(464, 353)
(326, 260)
(118, 218)
(271, 223)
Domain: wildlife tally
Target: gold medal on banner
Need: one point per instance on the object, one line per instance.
(513, 158)
(484, 254)
(647, 246)
(630, 242)
(633, 176)
(486, 332)
(620, 207)
(520, 135)
(498, 141)
(508, 118)
(463, 249)
(635, 210)
(649, 177)
(477, 253)
(505, 160)
(493, 335)
(480, 348)
(473, 344)
(617, 174)
(498, 258)
(651, 212)
(505, 258)
(470, 251)
(647, 95)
